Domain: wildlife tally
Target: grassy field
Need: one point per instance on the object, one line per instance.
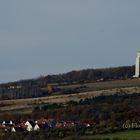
(107, 84)
(129, 135)
(94, 89)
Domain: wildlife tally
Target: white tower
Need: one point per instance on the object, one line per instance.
(137, 66)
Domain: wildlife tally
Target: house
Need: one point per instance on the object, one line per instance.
(27, 123)
(59, 124)
(28, 126)
(11, 123)
(41, 121)
(13, 130)
(7, 129)
(69, 124)
(36, 127)
(51, 123)
(3, 123)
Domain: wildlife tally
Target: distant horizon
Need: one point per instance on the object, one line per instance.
(36, 77)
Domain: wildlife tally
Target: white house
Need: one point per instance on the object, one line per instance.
(36, 128)
(11, 123)
(29, 126)
(3, 123)
(27, 123)
(13, 130)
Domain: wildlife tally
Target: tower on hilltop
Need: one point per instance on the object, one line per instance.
(137, 66)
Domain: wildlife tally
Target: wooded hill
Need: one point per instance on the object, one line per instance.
(35, 87)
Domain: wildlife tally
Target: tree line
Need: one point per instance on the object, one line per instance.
(33, 87)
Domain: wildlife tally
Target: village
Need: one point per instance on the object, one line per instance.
(39, 125)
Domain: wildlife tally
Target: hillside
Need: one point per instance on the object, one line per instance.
(106, 106)
(107, 116)
(41, 86)
(128, 86)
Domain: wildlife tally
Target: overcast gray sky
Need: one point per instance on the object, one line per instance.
(40, 37)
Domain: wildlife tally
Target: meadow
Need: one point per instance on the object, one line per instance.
(128, 135)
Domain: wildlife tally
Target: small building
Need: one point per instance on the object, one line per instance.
(13, 130)
(36, 127)
(11, 123)
(3, 123)
(29, 127)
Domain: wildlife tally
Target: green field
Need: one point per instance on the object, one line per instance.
(128, 135)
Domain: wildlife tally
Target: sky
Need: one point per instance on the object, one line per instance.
(41, 37)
